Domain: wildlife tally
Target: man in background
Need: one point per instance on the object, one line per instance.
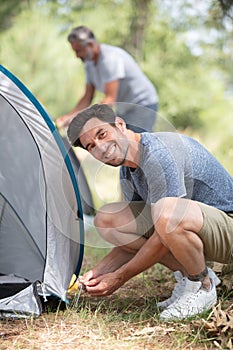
(112, 71)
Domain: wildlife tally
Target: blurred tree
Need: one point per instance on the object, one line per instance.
(139, 18)
(207, 34)
(37, 52)
(179, 76)
(9, 9)
(226, 7)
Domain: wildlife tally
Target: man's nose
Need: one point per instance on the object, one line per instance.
(100, 146)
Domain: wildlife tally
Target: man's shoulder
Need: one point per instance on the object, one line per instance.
(159, 144)
(152, 138)
(107, 47)
(162, 137)
(112, 51)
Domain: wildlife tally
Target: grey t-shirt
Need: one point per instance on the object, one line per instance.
(175, 165)
(116, 64)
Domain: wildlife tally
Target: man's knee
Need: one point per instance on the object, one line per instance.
(163, 213)
(110, 215)
(103, 217)
(176, 215)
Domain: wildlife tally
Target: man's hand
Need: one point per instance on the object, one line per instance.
(103, 285)
(87, 277)
(63, 122)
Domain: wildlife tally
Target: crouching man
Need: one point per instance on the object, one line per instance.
(178, 210)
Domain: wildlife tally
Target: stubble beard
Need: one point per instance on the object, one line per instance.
(122, 161)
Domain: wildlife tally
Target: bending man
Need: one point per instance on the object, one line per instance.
(112, 71)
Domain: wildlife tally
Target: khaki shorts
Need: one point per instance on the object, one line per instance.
(216, 233)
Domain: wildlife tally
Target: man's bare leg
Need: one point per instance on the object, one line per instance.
(178, 222)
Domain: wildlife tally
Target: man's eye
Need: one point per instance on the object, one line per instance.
(102, 135)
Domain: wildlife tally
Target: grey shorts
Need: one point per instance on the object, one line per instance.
(216, 233)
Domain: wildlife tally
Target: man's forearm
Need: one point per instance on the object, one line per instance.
(112, 261)
(150, 253)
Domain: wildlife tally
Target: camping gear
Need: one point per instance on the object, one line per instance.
(41, 217)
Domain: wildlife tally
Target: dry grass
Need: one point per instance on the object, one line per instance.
(126, 320)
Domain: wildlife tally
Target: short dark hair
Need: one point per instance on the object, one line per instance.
(101, 111)
(81, 34)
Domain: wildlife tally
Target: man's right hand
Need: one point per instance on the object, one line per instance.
(86, 277)
(104, 285)
(63, 122)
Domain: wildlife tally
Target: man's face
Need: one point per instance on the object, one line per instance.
(105, 142)
(85, 53)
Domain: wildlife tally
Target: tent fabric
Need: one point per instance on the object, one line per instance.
(85, 193)
(26, 303)
(41, 219)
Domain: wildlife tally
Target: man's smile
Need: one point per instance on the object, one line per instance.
(110, 151)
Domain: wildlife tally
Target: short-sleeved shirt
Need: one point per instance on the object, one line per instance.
(175, 165)
(115, 63)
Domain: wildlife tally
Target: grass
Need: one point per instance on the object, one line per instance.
(126, 320)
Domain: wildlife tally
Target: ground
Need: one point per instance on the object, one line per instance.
(126, 320)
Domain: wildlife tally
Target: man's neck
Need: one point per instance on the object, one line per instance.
(96, 53)
(133, 154)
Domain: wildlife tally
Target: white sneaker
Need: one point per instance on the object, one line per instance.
(180, 286)
(194, 301)
(177, 291)
(212, 275)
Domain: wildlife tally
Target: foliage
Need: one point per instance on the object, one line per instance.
(39, 56)
(178, 75)
(9, 9)
(226, 7)
(195, 90)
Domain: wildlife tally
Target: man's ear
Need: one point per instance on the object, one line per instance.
(120, 123)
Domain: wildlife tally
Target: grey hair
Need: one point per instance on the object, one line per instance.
(81, 34)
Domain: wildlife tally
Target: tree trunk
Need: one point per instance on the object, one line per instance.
(139, 21)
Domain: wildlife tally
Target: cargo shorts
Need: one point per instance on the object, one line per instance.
(216, 232)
